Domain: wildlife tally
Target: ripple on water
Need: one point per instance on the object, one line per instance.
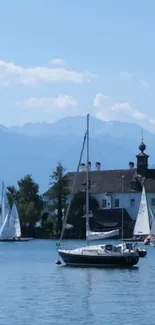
(34, 289)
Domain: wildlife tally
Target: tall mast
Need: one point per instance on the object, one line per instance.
(87, 179)
(122, 207)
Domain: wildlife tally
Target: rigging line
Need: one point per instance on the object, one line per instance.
(73, 186)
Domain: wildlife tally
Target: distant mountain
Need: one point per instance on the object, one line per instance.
(36, 148)
(76, 126)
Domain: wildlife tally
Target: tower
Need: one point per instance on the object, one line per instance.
(142, 160)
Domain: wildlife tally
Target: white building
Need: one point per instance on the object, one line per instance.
(117, 189)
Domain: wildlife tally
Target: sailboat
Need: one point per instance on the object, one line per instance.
(142, 225)
(145, 224)
(94, 255)
(10, 229)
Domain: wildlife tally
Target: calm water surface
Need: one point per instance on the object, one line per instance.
(36, 291)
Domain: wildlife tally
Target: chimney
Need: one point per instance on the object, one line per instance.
(98, 166)
(83, 167)
(131, 165)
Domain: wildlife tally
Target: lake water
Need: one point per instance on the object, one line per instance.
(34, 290)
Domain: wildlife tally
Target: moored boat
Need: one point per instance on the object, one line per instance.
(95, 255)
(99, 256)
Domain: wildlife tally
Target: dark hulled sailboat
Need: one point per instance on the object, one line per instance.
(95, 255)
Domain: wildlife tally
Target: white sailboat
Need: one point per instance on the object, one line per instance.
(10, 228)
(142, 225)
(145, 223)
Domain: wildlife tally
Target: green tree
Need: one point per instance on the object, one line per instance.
(77, 212)
(12, 194)
(29, 202)
(58, 193)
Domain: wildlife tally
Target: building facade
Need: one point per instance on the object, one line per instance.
(116, 189)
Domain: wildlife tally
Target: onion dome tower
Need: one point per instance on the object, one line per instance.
(142, 159)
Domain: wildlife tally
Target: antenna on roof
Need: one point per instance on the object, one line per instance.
(142, 134)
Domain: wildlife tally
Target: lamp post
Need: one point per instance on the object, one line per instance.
(122, 207)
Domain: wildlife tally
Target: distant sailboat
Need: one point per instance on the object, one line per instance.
(145, 223)
(142, 225)
(10, 229)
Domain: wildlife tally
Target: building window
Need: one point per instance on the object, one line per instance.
(116, 203)
(104, 203)
(132, 202)
(153, 202)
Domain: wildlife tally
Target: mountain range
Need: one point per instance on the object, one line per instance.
(35, 148)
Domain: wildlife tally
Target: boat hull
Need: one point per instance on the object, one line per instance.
(124, 260)
(19, 240)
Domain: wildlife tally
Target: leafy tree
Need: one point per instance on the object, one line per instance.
(28, 200)
(77, 211)
(59, 193)
(12, 194)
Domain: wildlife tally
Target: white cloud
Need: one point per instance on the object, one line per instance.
(48, 104)
(99, 100)
(126, 108)
(125, 76)
(138, 115)
(152, 121)
(57, 61)
(12, 73)
(101, 110)
(144, 83)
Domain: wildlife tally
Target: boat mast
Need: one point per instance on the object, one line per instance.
(87, 179)
(122, 207)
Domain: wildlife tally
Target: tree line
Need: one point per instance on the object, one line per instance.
(36, 220)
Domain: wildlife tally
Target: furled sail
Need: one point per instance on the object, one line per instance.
(142, 225)
(96, 235)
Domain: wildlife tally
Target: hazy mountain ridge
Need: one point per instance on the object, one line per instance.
(36, 148)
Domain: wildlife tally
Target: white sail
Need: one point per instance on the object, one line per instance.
(152, 222)
(96, 235)
(5, 208)
(14, 222)
(142, 225)
(5, 231)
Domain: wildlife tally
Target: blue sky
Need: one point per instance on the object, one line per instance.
(61, 58)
